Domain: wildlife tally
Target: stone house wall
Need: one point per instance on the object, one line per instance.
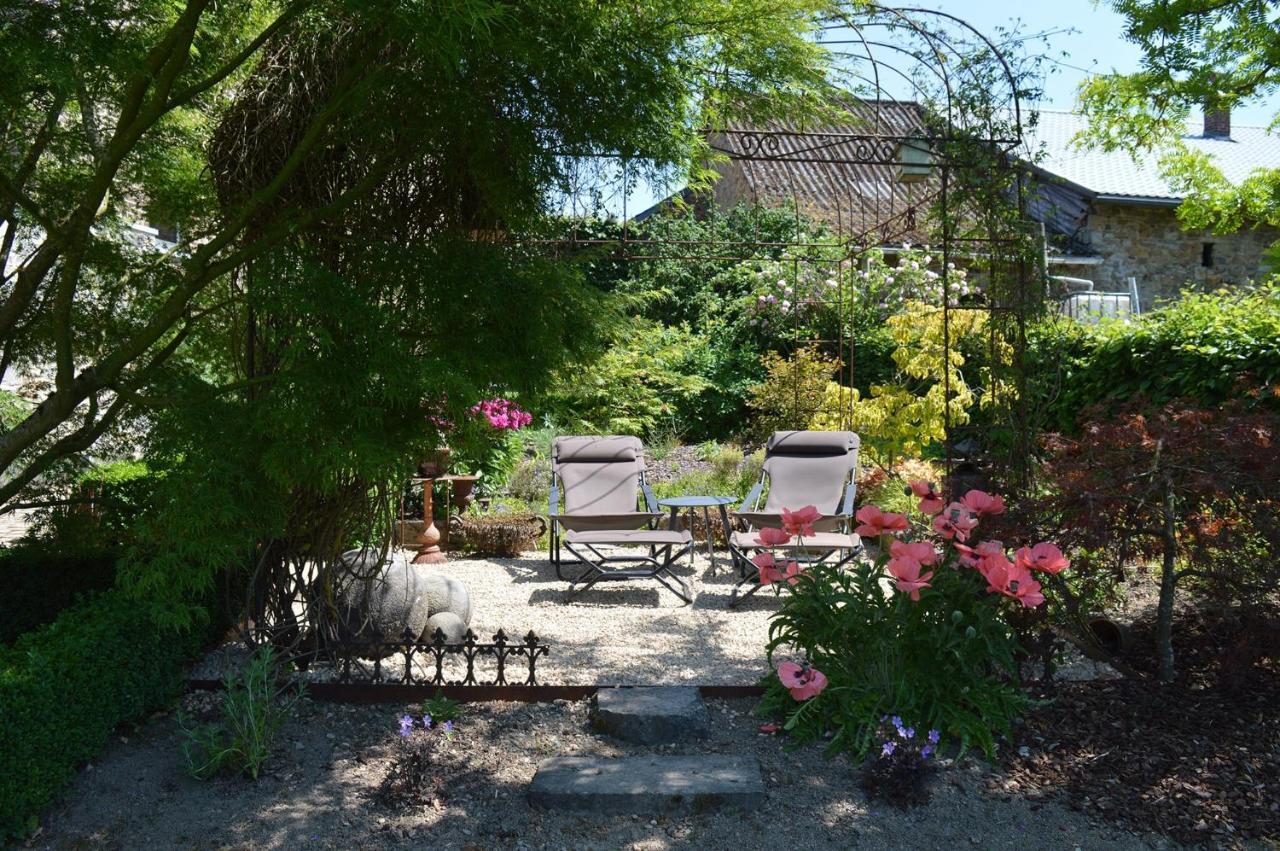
(1147, 243)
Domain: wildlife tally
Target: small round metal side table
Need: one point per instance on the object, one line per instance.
(706, 503)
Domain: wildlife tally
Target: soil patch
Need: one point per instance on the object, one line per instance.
(1198, 758)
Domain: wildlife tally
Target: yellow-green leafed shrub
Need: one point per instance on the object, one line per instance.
(633, 387)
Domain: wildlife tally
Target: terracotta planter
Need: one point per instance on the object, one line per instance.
(463, 492)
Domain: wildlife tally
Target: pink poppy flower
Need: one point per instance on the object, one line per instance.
(998, 571)
(874, 522)
(916, 551)
(970, 556)
(771, 537)
(1043, 557)
(800, 522)
(981, 502)
(956, 521)
(907, 573)
(772, 570)
(931, 501)
(1027, 592)
(802, 681)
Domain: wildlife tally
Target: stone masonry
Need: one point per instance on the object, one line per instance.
(1148, 243)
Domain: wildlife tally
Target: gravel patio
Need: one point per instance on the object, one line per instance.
(329, 759)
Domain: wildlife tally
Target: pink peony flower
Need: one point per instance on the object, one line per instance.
(907, 572)
(955, 521)
(931, 501)
(800, 522)
(874, 522)
(802, 681)
(981, 502)
(1043, 557)
(770, 537)
(917, 551)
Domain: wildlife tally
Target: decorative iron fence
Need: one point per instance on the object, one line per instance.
(364, 661)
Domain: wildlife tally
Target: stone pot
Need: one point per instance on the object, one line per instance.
(435, 465)
(506, 535)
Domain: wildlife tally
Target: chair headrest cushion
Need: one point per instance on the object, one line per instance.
(812, 443)
(596, 449)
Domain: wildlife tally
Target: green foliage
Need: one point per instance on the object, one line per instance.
(633, 387)
(254, 707)
(944, 662)
(13, 409)
(1208, 347)
(257, 125)
(480, 449)
(66, 686)
(441, 708)
(794, 391)
(1193, 54)
(40, 583)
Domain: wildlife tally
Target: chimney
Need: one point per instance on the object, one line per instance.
(1217, 122)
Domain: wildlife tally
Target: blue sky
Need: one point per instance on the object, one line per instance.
(1081, 38)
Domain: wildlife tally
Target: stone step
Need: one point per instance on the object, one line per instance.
(652, 716)
(646, 784)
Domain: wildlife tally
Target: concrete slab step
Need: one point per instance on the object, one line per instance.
(652, 716)
(646, 784)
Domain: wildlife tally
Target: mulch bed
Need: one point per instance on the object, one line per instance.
(1197, 759)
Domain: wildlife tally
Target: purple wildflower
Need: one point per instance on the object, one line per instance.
(448, 727)
(888, 749)
(926, 751)
(406, 725)
(426, 722)
(934, 736)
(897, 721)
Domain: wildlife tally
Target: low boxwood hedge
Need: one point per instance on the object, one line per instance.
(67, 685)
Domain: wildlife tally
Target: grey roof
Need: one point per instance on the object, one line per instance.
(863, 200)
(1116, 174)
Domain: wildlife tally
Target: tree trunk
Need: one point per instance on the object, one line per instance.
(1168, 585)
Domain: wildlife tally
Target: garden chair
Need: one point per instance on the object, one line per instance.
(601, 480)
(800, 468)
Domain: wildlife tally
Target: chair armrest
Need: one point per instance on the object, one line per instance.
(850, 495)
(752, 498)
(649, 501)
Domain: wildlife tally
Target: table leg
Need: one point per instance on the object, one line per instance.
(728, 532)
(711, 539)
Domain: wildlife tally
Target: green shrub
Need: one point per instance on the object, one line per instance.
(65, 687)
(106, 501)
(633, 387)
(945, 661)
(1202, 347)
(40, 583)
(254, 708)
